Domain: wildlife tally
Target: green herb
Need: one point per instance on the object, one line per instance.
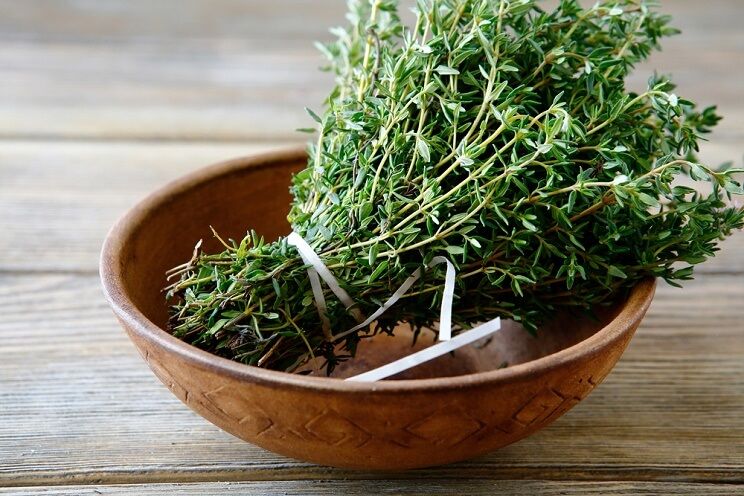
(496, 134)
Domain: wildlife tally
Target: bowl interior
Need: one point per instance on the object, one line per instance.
(163, 230)
(254, 194)
(510, 346)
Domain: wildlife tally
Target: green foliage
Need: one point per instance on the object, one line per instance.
(496, 134)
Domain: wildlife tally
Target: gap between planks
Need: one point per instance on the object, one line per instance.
(312, 474)
(406, 487)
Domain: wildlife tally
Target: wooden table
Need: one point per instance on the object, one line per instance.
(100, 102)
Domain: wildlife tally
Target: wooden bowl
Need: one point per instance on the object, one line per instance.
(459, 407)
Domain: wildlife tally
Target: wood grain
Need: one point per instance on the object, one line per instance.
(84, 407)
(398, 487)
(225, 70)
(66, 195)
(234, 71)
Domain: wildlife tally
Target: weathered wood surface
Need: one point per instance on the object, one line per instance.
(84, 407)
(65, 195)
(398, 487)
(212, 70)
(100, 102)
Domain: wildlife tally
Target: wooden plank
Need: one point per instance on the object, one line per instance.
(226, 70)
(62, 198)
(58, 200)
(119, 21)
(297, 20)
(231, 70)
(398, 487)
(181, 91)
(80, 406)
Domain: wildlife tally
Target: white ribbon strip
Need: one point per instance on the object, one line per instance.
(429, 353)
(311, 258)
(318, 268)
(320, 302)
(445, 316)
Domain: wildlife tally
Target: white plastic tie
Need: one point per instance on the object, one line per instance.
(311, 258)
(445, 315)
(317, 270)
(430, 353)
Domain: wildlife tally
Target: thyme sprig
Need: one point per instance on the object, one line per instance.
(492, 132)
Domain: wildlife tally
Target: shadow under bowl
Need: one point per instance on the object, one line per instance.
(457, 407)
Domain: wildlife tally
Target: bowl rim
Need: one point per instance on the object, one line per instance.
(135, 321)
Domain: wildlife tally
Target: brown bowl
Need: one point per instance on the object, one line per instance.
(458, 407)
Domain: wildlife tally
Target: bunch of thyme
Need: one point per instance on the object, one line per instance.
(492, 132)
